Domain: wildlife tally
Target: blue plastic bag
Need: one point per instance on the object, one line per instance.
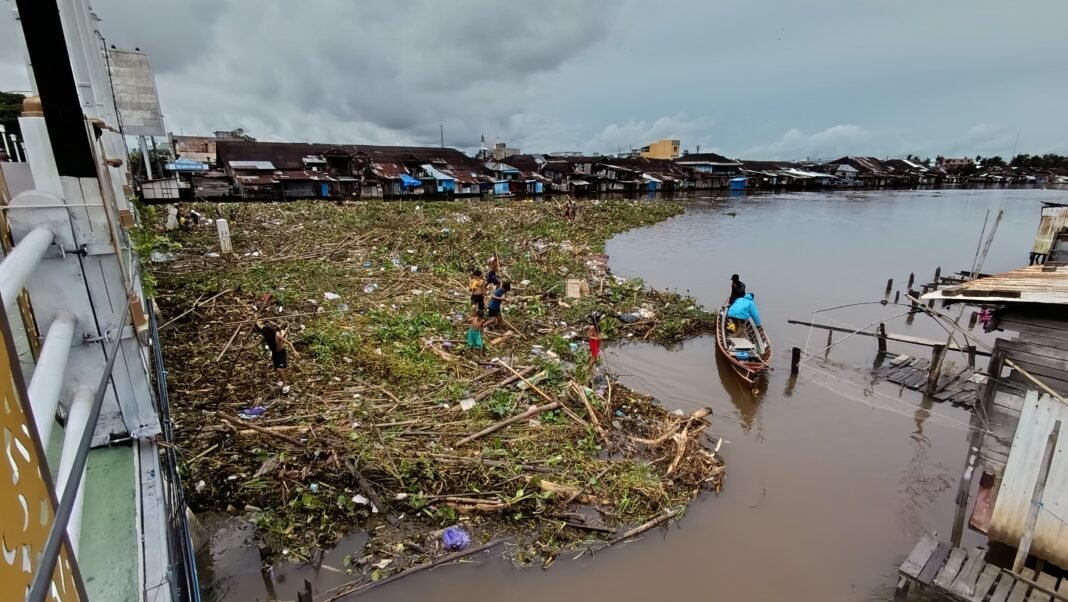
(455, 539)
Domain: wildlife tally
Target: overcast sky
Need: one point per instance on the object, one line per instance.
(778, 79)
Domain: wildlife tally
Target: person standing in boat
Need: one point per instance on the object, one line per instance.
(744, 309)
(737, 289)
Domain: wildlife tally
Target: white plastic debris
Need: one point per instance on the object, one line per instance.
(381, 564)
(524, 283)
(213, 254)
(201, 486)
(331, 296)
(467, 404)
(361, 500)
(677, 412)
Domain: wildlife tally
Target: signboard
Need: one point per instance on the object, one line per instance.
(135, 93)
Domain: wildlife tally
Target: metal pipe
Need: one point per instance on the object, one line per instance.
(47, 381)
(42, 579)
(77, 425)
(16, 268)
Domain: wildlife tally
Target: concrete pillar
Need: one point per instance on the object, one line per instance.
(42, 161)
(224, 236)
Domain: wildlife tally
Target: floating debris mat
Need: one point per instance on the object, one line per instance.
(957, 386)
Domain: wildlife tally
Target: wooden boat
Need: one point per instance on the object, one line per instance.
(748, 349)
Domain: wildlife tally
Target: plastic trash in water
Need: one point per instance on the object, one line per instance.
(367, 264)
(252, 413)
(370, 288)
(455, 539)
(331, 296)
(395, 260)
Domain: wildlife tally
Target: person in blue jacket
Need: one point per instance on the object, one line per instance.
(744, 308)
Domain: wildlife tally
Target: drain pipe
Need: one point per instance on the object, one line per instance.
(47, 381)
(20, 263)
(77, 421)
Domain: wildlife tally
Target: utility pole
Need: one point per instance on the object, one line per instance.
(442, 126)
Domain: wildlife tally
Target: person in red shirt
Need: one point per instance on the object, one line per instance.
(593, 333)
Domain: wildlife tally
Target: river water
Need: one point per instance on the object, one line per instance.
(831, 479)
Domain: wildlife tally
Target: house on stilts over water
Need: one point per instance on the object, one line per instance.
(1014, 487)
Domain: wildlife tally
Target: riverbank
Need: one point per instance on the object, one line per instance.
(380, 432)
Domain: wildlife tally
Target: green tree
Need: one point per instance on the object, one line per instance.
(994, 161)
(157, 156)
(10, 109)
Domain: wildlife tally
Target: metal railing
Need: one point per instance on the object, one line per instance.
(42, 579)
(185, 585)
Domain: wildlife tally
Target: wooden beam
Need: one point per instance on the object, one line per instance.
(890, 336)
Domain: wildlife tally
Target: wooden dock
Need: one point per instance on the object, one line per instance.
(960, 574)
(959, 386)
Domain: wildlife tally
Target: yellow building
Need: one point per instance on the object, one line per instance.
(661, 149)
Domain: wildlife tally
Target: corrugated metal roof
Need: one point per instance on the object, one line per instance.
(1009, 519)
(1032, 284)
(265, 165)
(435, 173)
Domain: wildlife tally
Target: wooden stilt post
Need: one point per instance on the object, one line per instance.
(912, 300)
(973, 319)
(1036, 499)
(882, 338)
(938, 352)
(963, 489)
(889, 285)
(971, 356)
(305, 594)
(897, 297)
(795, 360)
(830, 340)
(912, 278)
(938, 274)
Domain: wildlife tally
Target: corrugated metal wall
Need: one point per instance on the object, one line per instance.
(1054, 219)
(1009, 518)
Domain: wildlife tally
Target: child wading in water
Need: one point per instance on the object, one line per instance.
(593, 332)
(474, 331)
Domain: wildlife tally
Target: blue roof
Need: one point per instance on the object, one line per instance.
(408, 181)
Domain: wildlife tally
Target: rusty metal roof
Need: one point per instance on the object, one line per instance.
(1032, 284)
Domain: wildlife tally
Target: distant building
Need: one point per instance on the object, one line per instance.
(501, 151)
(202, 148)
(661, 149)
(950, 164)
(709, 169)
(273, 170)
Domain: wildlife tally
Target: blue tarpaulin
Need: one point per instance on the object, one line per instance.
(409, 182)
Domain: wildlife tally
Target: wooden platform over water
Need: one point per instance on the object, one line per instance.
(956, 385)
(960, 574)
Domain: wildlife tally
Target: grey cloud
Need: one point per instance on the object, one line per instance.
(760, 78)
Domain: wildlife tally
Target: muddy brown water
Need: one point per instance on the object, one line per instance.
(831, 479)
